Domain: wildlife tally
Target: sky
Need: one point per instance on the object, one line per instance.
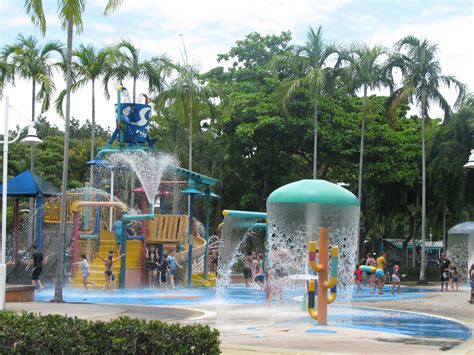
(211, 27)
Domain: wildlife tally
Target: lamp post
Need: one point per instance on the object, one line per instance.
(445, 241)
(208, 194)
(31, 139)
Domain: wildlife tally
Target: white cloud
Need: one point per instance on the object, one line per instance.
(210, 27)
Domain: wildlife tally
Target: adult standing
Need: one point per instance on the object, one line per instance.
(37, 261)
(444, 263)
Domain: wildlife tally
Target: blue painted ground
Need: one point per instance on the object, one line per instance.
(339, 315)
(235, 294)
(398, 322)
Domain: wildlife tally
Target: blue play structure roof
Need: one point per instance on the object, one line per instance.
(28, 184)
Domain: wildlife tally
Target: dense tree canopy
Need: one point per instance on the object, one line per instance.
(255, 144)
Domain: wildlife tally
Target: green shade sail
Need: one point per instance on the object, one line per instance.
(313, 191)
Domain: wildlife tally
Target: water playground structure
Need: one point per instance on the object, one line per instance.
(99, 222)
(300, 217)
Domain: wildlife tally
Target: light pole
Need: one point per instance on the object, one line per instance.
(445, 241)
(31, 139)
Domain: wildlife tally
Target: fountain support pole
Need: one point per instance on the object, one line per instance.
(190, 240)
(321, 267)
(127, 218)
(206, 251)
(75, 240)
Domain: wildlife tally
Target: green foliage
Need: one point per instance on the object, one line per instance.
(30, 333)
(254, 146)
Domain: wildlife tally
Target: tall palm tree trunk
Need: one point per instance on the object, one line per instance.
(33, 94)
(423, 189)
(134, 89)
(315, 147)
(361, 156)
(93, 134)
(58, 290)
(31, 227)
(361, 165)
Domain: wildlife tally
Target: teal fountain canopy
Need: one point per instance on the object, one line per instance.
(313, 191)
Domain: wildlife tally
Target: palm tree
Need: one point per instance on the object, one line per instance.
(30, 61)
(422, 77)
(364, 71)
(127, 64)
(190, 96)
(70, 14)
(89, 65)
(309, 62)
(6, 75)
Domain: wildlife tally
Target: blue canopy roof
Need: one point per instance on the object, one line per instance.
(28, 184)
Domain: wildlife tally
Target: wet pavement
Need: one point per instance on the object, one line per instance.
(382, 327)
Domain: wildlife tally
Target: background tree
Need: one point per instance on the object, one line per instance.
(421, 81)
(311, 72)
(6, 74)
(70, 14)
(128, 64)
(365, 70)
(190, 96)
(89, 65)
(30, 61)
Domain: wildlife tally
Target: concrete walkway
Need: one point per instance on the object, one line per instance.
(259, 329)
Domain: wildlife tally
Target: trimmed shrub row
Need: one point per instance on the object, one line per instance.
(31, 333)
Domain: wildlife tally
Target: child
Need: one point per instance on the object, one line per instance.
(260, 278)
(85, 271)
(272, 288)
(108, 273)
(163, 269)
(151, 267)
(396, 278)
(172, 268)
(453, 277)
(358, 278)
(471, 279)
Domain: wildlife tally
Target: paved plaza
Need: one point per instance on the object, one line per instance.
(256, 328)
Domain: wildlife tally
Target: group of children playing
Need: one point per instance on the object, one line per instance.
(159, 271)
(377, 278)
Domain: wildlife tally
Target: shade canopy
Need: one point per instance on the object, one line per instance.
(313, 191)
(28, 184)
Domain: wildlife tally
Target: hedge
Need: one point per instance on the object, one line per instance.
(31, 333)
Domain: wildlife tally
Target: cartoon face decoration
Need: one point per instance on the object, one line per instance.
(137, 119)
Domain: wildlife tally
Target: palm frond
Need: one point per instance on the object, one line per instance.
(71, 10)
(112, 5)
(34, 8)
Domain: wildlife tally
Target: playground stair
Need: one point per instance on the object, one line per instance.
(198, 279)
(96, 266)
